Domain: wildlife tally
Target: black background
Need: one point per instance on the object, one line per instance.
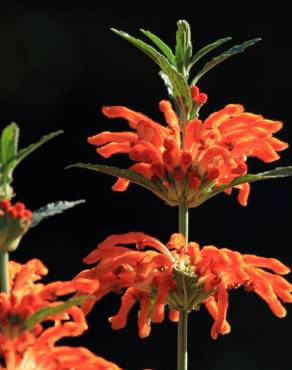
(59, 64)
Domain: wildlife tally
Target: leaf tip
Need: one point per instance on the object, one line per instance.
(73, 165)
(13, 124)
(79, 201)
(120, 33)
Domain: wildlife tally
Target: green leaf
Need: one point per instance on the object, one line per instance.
(276, 172)
(273, 174)
(180, 90)
(52, 209)
(8, 151)
(9, 143)
(183, 48)
(230, 52)
(167, 83)
(44, 312)
(10, 157)
(126, 174)
(207, 49)
(161, 45)
(22, 153)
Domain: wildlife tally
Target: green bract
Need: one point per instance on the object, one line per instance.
(11, 231)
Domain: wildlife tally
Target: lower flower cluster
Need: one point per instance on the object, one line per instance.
(166, 278)
(24, 342)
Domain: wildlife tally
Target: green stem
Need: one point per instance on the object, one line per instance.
(182, 341)
(182, 333)
(4, 276)
(184, 223)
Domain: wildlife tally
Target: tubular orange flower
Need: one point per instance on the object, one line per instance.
(24, 343)
(154, 279)
(189, 160)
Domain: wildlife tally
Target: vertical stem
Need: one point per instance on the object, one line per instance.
(182, 333)
(4, 276)
(184, 220)
(182, 341)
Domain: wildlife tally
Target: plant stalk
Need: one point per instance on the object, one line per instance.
(4, 275)
(184, 227)
(182, 333)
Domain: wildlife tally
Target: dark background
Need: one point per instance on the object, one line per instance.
(59, 64)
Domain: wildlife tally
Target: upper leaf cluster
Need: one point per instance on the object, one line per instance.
(176, 67)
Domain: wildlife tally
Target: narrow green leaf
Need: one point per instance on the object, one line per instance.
(230, 52)
(273, 174)
(161, 45)
(8, 151)
(180, 90)
(276, 172)
(183, 48)
(126, 174)
(52, 209)
(44, 312)
(167, 83)
(10, 157)
(9, 143)
(207, 49)
(22, 153)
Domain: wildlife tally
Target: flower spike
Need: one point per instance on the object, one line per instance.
(187, 160)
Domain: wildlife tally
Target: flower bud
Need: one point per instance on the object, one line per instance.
(14, 223)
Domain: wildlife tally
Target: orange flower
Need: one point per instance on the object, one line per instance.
(155, 279)
(189, 161)
(29, 346)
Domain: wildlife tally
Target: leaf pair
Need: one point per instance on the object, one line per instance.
(161, 191)
(175, 82)
(10, 156)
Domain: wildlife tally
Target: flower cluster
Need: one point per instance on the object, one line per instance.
(189, 159)
(156, 280)
(24, 342)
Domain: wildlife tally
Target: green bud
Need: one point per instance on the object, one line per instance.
(14, 223)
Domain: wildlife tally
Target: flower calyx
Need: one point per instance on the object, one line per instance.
(14, 223)
(189, 291)
(12, 326)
